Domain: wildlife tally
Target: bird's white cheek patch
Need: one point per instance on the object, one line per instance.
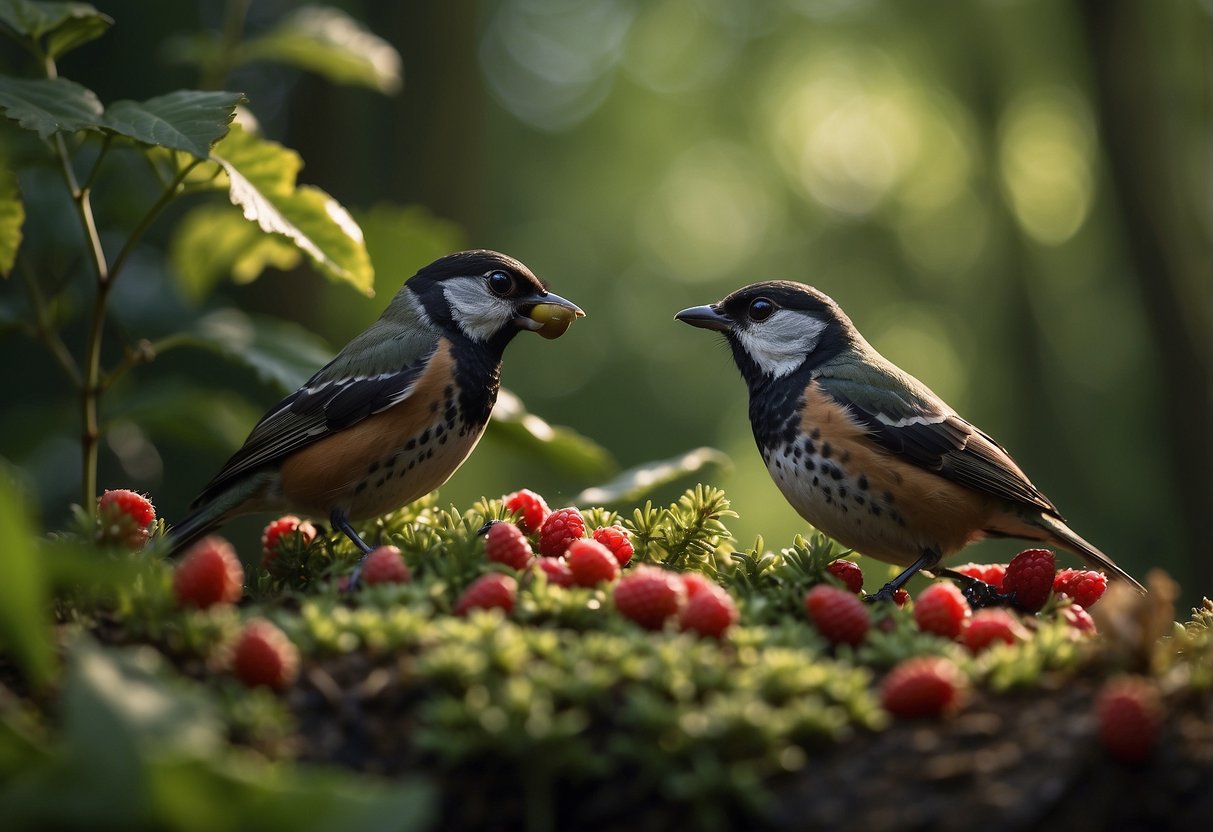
(479, 313)
(781, 343)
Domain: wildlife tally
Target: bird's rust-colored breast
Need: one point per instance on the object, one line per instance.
(867, 498)
(390, 458)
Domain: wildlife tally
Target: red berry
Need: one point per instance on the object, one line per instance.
(710, 611)
(505, 543)
(1078, 618)
(124, 518)
(287, 533)
(696, 582)
(557, 570)
(901, 597)
(849, 573)
(560, 529)
(265, 656)
(1084, 586)
(941, 609)
(989, 626)
(990, 573)
(488, 591)
(1029, 579)
(617, 539)
(837, 614)
(1129, 714)
(385, 565)
(924, 686)
(531, 509)
(210, 573)
(649, 596)
(591, 563)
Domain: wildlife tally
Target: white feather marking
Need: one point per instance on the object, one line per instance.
(479, 313)
(885, 419)
(781, 343)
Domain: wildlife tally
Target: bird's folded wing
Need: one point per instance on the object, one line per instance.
(911, 422)
(320, 408)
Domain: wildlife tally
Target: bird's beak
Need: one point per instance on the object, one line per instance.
(705, 317)
(547, 314)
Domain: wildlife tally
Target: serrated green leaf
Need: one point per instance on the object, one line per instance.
(260, 178)
(330, 43)
(635, 483)
(64, 25)
(213, 242)
(49, 106)
(286, 355)
(188, 120)
(12, 217)
(561, 447)
(25, 625)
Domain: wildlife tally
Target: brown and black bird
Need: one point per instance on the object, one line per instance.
(397, 411)
(866, 452)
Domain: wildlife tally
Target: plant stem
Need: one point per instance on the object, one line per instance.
(215, 73)
(45, 332)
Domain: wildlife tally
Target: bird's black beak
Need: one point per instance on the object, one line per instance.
(547, 314)
(705, 317)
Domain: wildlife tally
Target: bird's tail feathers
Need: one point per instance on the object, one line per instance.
(210, 515)
(1059, 533)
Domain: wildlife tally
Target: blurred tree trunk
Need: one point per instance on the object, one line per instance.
(1149, 104)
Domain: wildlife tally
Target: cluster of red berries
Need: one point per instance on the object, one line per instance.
(558, 545)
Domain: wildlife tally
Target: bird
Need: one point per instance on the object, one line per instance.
(396, 412)
(868, 454)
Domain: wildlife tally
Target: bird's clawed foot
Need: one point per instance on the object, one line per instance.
(885, 593)
(342, 524)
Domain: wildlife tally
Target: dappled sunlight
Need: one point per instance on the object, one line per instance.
(1046, 142)
(921, 343)
(708, 214)
(675, 46)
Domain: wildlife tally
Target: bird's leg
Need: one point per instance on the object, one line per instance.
(928, 560)
(342, 524)
(978, 593)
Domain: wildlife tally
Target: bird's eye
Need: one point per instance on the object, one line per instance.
(500, 284)
(761, 309)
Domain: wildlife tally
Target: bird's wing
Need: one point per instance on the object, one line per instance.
(330, 401)
(908, 420)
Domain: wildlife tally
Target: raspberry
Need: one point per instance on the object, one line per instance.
(124, 518)
(285, 534)
(557, 570)
(922, 687)
(901, 597)
(1078, 618)
(989, 573)
(837, 614)
(649, 596)
(560, 529)
(617, 539)
(505, 543)
(1129, 715)
(710, 611)
(1084, 586)
(1029, 579)
(488, 591)
(849, 573)
(941, 609)
(696, 582)
(385, 565)
(989, 626)
(265, 656)
(531, 509)
(210, 573)
(591, 563)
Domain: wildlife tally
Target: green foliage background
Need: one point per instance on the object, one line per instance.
(1010, 199)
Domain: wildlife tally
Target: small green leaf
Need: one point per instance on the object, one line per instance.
(188, 120)
(64, 25)
(638, 482)
(286, 355)
(213, 242)
(562, 447)
(49, 106)
(12, 217)
(330, 43)
(261, 177)
(25, 625)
